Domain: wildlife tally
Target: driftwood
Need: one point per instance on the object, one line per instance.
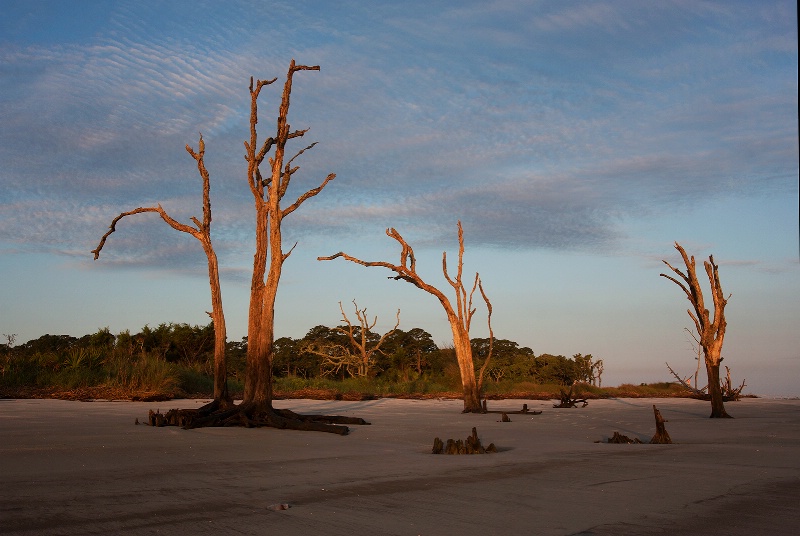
(729, 393)
(214, 415)
(568, 402)
(523, 411)
(660, 438)
(472, 445)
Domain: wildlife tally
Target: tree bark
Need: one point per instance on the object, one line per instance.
(661, 436)
(715, 391)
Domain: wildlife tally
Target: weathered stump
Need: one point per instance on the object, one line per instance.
(472, 445)
(619, 438)
(661, 437)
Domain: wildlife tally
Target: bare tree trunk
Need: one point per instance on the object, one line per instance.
(715, 389)
(466, 366)
(220, 331)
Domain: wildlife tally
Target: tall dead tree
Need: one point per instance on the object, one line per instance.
(202, 232)
(268, 191)
(460, 316)
(711, 332)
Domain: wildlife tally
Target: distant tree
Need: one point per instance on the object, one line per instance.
(202, 232)
(359, 338)
(711, 331)
(459, 317)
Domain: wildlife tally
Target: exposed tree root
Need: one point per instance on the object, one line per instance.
(225, 413)
(568, 402)
(472, 445)
(661, 436)
(619, 438)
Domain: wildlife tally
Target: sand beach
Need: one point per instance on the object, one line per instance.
(72, 468)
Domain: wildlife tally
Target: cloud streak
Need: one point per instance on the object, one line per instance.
(560, 120)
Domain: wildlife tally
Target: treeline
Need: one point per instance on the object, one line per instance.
(181, 356)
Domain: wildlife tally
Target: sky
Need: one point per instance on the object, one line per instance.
(576, 141)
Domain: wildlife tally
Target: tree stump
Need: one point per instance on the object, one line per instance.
(619, 438)
(661, 437)
(472, 445)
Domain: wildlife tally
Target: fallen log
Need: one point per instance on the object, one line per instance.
(252, 417)
(523, 411)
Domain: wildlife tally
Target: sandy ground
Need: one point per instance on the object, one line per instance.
(86, 468)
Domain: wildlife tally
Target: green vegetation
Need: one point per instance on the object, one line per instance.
(176, 360)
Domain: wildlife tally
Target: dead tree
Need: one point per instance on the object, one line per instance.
(567, 401)
(268, 190)
(460, 316)
(729, 392)
(202, 232)
(364, 352)
(697, 348)
(698, 393)
(711, 332)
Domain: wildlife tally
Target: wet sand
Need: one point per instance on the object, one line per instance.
(85, 468)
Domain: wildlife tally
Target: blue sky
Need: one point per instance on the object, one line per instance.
(576, 141)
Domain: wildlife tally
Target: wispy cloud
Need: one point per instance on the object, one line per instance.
(538, 126)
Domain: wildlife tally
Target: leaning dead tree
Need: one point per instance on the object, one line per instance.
(202, 232)
(710, 330)
(460, 316)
